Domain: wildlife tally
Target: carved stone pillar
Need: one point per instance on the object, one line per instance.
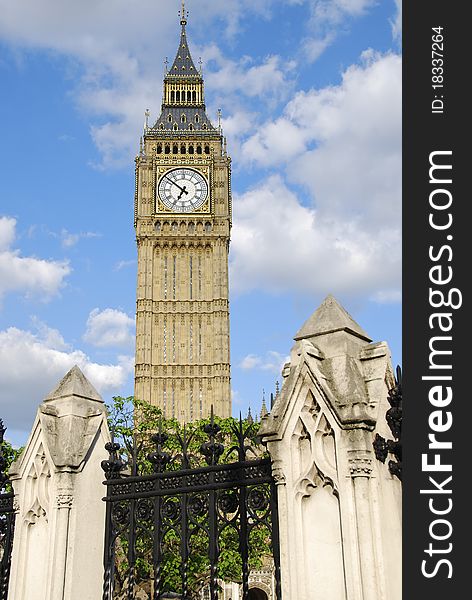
(339, 509)
(58, 490)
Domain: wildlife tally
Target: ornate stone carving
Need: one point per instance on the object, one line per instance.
(360, 466)
(37, 488)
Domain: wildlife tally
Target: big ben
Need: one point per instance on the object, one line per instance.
(182, 217)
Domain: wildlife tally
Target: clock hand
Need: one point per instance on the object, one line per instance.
(183, 190)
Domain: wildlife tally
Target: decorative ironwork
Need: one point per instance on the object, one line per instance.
(383, 447)
(7, 520)
(183, 506)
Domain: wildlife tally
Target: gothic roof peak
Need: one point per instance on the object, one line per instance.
(74, 383)
(183, 65)
(330, 316)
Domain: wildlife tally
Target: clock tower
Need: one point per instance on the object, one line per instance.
(182, 216)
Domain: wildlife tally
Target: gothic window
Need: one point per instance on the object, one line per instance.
(183, 149)
(174, 276)
(204, 126)
(167, 149)
(183, 118)
(175, 149)
(208, 227)
(207, 149)
(194, 95)
(189, 96)
(191, 227)
(190, 127)
(176, 127)
(161, 126)
(172, 96)
(197, 119)
(174, 226)
(157, 226)
(191, 278)
(159, 148)
(169, 118)
(190, 149)
(177, 96)
(199, 149)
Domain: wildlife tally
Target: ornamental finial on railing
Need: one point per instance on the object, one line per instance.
(383, 447)
(159, 458)
(212, 450)
(114, 465)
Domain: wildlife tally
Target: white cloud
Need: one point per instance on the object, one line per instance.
(282, 246)
(396, 22)
(272, 361)
(32, 364)
(109, 328)
(326, 18)
(122, 264)
(115, 57)
(342, 146)
(27, 275)
(69, 239)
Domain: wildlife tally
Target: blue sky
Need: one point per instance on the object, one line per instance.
(311, 100)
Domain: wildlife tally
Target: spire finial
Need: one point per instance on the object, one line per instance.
(183, 14)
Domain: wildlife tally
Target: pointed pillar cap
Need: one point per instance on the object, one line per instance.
(74, 383)
(329, 317)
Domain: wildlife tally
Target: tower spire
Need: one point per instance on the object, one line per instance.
(183, 14)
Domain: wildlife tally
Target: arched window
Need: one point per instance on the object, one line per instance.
(169, 118)
(159, 148)
(194, 96)
(157, 226)
(189, 96)
(175, 149)
(183, 118)
(204, 126)
(183, 149)
(197, 119)
(191, 227)
(190, 149)
(199, 149)
(167, 149)
(190, 127)
(207, 149)
(177, 96)
(172, 96)
(176, 127)
(208, 226)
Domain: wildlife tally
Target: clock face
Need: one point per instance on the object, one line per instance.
(183, 190)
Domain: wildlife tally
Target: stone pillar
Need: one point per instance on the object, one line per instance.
(57, 480)
(339, 508)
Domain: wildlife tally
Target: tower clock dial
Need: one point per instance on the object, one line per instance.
(183, 190)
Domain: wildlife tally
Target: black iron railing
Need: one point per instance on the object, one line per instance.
(176, 522)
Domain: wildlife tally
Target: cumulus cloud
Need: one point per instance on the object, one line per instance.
(69, 239)
(333, 221)
(327, 17)
(27, 275)
(109, 328)
(33, 363)
(114, 54)
(272, 361)
(280, 245)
